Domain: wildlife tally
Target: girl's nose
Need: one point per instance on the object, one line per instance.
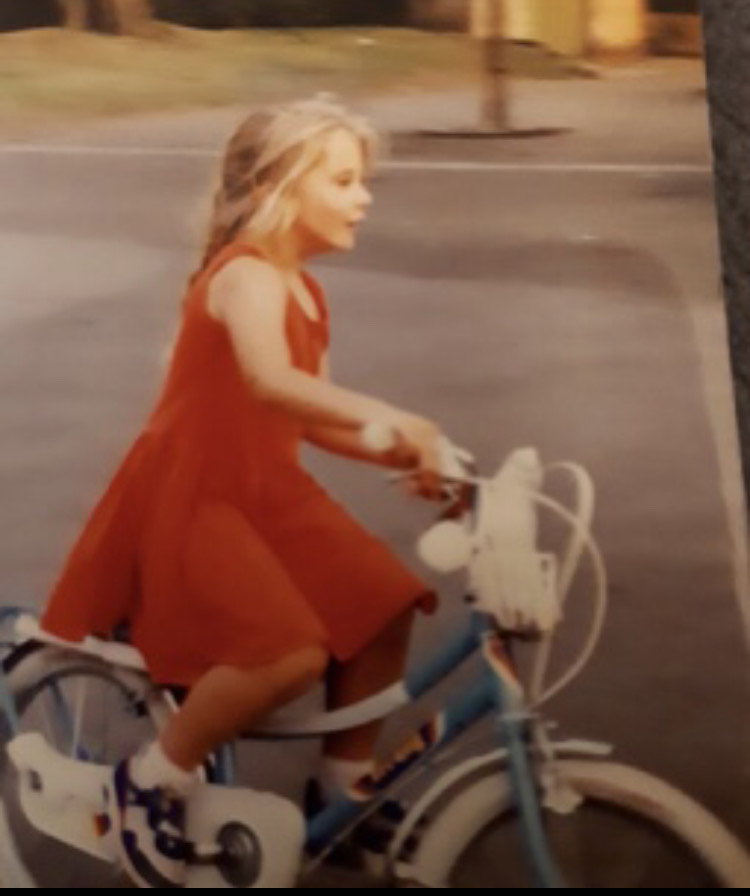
(365, 196)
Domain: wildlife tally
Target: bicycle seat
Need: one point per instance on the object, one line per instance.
(27, 627)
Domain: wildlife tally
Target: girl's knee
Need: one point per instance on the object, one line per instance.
(315, 660)
(305, 667)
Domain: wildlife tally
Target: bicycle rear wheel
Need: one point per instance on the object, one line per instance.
(630, 830)
(87, 710)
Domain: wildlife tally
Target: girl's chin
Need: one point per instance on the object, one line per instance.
(349, 238)
(341, 242)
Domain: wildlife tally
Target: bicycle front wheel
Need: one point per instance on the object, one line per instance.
(85, 710)
(629, 830)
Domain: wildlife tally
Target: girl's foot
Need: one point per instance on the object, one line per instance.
(149, 824)
(366, 848)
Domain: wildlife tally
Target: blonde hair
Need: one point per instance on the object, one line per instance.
(265, 159)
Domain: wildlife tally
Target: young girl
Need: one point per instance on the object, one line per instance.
(238, 575)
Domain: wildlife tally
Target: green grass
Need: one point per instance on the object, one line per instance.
(54, 74)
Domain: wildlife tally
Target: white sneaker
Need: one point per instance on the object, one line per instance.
(149, 825)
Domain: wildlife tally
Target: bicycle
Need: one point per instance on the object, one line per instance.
(456, 831)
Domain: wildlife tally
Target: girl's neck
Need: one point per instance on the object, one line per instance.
(283, 254)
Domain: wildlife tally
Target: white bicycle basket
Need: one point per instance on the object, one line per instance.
(509, 576)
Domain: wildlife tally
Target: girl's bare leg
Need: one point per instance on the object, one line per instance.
(380, 665)
(228, 700)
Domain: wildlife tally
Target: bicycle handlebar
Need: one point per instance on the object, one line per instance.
(497, 543)
(455, 462)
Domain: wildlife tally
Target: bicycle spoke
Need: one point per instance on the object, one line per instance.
(596, 846)
(566, 837)
(80, 701)
(73, 708)
(47, 728)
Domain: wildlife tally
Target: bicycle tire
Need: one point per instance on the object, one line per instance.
(33, 674)
(471, 842)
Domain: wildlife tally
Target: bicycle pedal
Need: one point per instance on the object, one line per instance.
(375, 863)
(346, 856)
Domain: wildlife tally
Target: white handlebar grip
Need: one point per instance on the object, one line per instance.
(378, 437)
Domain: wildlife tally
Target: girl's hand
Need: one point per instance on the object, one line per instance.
(417, 448)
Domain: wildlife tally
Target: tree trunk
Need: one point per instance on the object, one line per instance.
(110, 16)
(132, 17)
(74, 13)
(488, 23)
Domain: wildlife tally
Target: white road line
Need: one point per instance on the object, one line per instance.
(637, 168)
(555, 167)
(77, 149)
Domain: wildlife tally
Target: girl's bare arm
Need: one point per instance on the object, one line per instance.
(249, 297)
(348, 443)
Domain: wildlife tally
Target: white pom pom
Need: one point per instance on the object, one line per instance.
(445, 547)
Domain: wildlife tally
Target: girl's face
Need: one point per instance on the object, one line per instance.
(332, 198)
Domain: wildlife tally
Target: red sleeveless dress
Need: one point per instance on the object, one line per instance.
(212, 541)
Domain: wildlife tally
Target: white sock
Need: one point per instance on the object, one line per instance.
(339, 774)
(153, 768)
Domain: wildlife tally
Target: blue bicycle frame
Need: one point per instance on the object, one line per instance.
(496, 691)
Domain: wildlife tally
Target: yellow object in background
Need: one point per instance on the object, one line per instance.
(568, 27)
